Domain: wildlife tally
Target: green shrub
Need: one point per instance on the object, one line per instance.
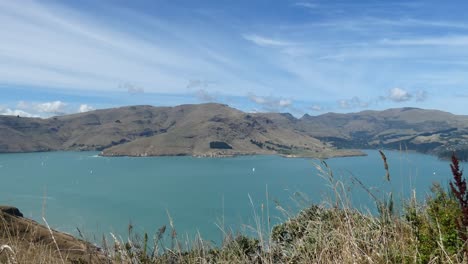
(436, 225)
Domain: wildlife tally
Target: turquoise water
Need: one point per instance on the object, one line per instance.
(100, 195)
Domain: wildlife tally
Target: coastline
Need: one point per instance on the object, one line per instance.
(327, 155)
(338, 153)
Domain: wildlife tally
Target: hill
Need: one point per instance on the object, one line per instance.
(427, 131)
(197, 130)
(218, 130)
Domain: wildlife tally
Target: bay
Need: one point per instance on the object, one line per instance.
(100, 195)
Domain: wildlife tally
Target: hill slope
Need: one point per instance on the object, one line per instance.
(218, 130)
(198, 130)
(427, 131)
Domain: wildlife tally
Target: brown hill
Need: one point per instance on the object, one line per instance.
(427, 131)
(218, 130)
(199, 130)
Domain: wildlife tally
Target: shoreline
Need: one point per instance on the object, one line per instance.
(333, 154)
(337, 154)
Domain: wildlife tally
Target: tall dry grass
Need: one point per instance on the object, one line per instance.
(331, 232)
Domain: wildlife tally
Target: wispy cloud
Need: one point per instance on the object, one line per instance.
(316, 108)
(198, 83)
(353, 103)
(74, 50)
(429, 41)
(266, 42)
(402, 23)
(421, 95)
(204, 96)
(394, 95)
(344, 52)
(306, 4)
(68, 52)
(430, 23)
(132, 88)
(270, 103)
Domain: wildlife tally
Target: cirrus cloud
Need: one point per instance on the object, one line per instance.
(306, 5)
(266, 42)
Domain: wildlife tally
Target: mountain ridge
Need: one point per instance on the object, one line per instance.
(427, 131)
(196, 130)
(219, 130)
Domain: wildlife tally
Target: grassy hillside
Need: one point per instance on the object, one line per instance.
(199, 130)
(427, 131)
(219, 130)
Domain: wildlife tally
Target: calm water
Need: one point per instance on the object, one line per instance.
(101, 195)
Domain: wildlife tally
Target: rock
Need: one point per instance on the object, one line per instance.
(11, 210)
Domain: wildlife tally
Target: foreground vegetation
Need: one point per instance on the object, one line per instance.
(434, 231)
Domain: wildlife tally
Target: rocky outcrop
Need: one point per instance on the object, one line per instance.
(11, 210)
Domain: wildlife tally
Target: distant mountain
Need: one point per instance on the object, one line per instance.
(218, 130)
(427, 131)
(198, 130)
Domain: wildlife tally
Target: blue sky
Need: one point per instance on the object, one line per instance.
(59, 57)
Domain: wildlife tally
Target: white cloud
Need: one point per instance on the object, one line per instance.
(197, 83)
(284, 102)
(270, 103)
(74, 50)
(257, 99)
(132, 88)
(337, 56)
(420, 96)
(266, 42)
(316, 108)
(306, 4)
(204, 96)
(85, 108)
(395, 95)
(16, 112)
(409, 22)
(461, 40)
(399, 95)
(354, 102)
(43, 108)
(55, 107)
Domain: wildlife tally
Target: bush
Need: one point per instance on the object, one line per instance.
(436, 226)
